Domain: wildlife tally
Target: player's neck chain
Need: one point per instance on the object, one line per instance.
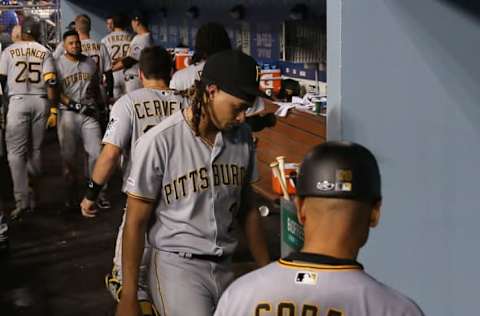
(187, 115)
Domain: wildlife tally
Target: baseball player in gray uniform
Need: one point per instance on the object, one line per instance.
(118, 46)
(339, 199)
(95, 50)
(78, 121)
(192, 174)
(28, 70)
(211, 38)
(59, 50)
(129, 64)
(133, 115)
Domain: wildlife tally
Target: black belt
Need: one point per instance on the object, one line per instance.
(213, 258)
(43, 96)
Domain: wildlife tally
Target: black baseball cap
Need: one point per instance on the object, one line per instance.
(235, 73)
(140, 16)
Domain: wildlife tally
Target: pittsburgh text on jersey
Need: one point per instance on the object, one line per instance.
(198, 180)
(79, 76)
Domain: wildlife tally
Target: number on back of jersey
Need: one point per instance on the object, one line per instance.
(28, 71)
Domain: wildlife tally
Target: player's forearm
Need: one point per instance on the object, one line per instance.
(110, 82)
(128, 62)
(53, 96)
(96, 90)
(117, 66)
(3, 83)
(106, 164)
(64, 98)
(256, 238)
(138, 213)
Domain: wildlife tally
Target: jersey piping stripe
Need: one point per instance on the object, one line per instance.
(49, 76)
(139, 197)
(295, 265)
(158, 285)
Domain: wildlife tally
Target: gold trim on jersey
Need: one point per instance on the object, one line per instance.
(314, 266)
(139, 197)
(49, 76)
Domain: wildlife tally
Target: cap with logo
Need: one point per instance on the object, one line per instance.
(342, 170)
(235, 73)
(140, 16)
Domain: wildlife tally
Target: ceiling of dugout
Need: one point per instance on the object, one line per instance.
(258, 32)
(257, 8)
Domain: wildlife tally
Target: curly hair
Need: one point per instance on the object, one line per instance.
(211, 38)
(198, 102)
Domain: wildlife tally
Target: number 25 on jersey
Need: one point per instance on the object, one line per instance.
(28, 71)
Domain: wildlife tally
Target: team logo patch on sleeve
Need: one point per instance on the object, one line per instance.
(111, 126)
(306, 278)
(131, 181)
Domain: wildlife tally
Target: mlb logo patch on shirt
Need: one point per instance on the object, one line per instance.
(306, 278)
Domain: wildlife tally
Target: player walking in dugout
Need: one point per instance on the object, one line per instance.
(129, 64)
(132, 116)
(28, 70)
(118, 45)
(193, 172)
(339, 199)
(78, 121)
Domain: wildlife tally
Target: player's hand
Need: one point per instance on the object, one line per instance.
(88, 208)
(128, 307)
(52, 118)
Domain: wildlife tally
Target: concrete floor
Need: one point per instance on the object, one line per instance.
(58, 259)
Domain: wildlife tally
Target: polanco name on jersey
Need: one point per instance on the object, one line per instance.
(28, 52)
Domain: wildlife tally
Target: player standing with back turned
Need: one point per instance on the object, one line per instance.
(339, 199)
(28, 70)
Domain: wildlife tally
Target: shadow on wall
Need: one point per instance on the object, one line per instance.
(441, 38)
(470, 7)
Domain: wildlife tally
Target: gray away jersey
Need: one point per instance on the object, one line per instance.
(196, 187)
(79, 79)
(134, 114)
(138, 43)
(313, 285)
(99, 53)
(117, 44)
(95, 50)
(185, 78)
(28, 65)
